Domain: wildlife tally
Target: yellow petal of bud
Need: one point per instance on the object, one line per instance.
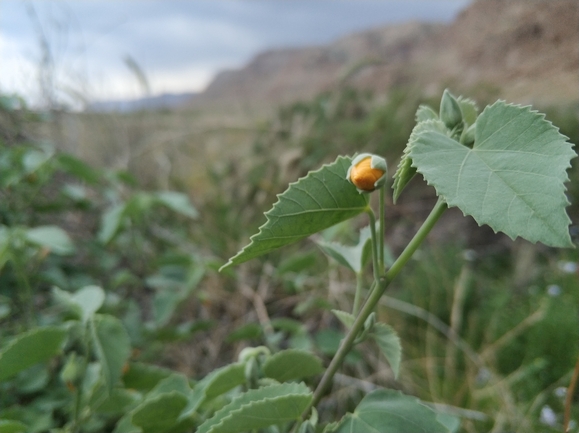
(363, 176)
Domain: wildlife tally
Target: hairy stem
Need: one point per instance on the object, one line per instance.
(372, 300)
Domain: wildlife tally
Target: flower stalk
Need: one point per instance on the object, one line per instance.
(375, 295)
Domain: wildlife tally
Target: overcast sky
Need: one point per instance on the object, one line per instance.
(179, 44)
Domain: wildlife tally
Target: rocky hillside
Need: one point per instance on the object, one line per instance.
(522, 50)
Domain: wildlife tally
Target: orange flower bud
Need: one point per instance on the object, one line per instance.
(367, 172)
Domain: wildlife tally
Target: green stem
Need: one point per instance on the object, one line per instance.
(372, 300)
(382, 220)
(375, 260)
(358, 295)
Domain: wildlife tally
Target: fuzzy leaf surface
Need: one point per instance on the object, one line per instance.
(513, 177)
(259, 408)
(315, 202)
(389, 411)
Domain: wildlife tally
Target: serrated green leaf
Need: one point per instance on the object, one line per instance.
(513, 177)
(30, 348)
(52, 237)
(389, 411)
(259, 408)
(315, 202)
(405, 171)
(112, 347)
(353, 257)
(292, 364)
(389, 344)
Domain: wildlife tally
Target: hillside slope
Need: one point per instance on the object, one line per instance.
(522, 50)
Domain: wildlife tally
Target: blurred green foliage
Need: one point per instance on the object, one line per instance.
(66, 226)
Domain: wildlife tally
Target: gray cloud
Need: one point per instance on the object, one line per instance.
(90, 38)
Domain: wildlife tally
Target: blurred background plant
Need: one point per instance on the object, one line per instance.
(489, 326)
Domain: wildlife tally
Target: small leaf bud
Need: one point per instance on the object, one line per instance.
(450, 112)
(467, 137)
(367, 172)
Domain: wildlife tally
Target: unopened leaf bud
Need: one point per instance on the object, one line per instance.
(367, 172)
(450, 112)
(467, 137)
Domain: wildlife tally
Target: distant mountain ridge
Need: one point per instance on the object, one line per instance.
(165, 100)
(526, 50)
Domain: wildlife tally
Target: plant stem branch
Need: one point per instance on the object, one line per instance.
(372, 300)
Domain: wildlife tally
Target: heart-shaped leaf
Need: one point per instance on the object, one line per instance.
(513, 177)
(315, 202)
